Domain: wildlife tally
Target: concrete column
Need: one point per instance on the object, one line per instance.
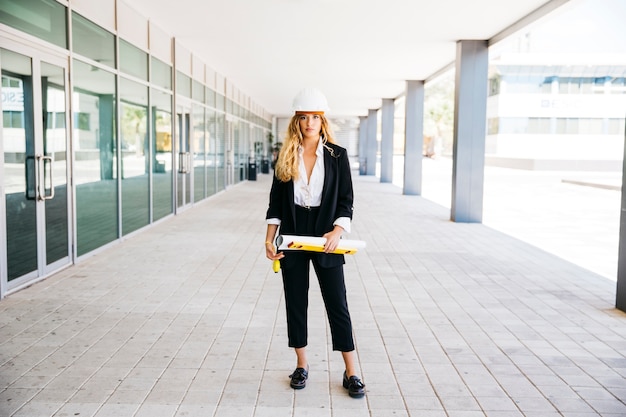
(413, 138)
(386, 143)
(371, 152)
(620, 299)
(470, 112)
(362, 145)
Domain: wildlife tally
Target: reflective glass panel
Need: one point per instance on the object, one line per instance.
(198, 147)
(55, 148)
(220, 141)
(45, 19)
(95, 167)
(210, 97)
(211, 160)
(133, 60)
(92, 41)
(162, 198)
(183, 84)
(19, 176)
(161, 74)
(198, 91)
(135, 150)
(237, 162)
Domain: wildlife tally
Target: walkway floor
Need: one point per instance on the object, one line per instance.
(187, 319)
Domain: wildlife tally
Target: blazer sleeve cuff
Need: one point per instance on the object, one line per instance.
(274, 221)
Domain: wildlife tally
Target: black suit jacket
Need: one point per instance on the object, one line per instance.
(337, 199)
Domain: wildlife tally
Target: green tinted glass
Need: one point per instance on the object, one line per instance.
(183, 84)
(133, 60)
(92, 41)
(135, 160)
(162, 198)
(95, 166)
(44, 19)
(161, 74)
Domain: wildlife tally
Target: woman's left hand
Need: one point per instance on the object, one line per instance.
(332, 239)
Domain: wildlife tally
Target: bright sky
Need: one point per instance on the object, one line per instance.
(584, 26)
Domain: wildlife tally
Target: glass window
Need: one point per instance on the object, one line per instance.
(162, 197)
(617, 86)
(95, 166)
(616, 127)
(219, 101)
(563, 85)
(198, 147)
(587, 85)
(92, 41)
(183, 84)
(56, 144)
(220, 134)
(45, 19)
(591, 126)
(509, 125)
(161, 74)
(492, 126)
(210, 97)
(18, 178)
(198, 91)
(494, 85)
(574, 86)
(211, 157)
(135, 160)
(133, 60)
(567, 126)
(538, 125)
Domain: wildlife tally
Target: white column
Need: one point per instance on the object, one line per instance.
(371, 152)
(362, 145)
(413, 138)
(470, 113)
(386, 143)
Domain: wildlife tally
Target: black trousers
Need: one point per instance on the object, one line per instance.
(332, 286)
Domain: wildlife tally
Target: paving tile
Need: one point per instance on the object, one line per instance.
(77, 409)
(463, 321)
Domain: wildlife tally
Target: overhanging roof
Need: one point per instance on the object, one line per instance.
(356, 51)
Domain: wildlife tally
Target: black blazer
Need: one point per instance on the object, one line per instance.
(337, 199)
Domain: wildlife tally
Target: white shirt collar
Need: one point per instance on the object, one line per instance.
(319, 151)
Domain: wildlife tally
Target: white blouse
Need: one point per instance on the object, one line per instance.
(310, 194)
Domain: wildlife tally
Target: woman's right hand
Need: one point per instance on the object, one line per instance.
(270, 252)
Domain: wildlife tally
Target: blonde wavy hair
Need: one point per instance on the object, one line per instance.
(287, 164)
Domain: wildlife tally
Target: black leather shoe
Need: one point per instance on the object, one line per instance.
(356, 388)
(299, 377)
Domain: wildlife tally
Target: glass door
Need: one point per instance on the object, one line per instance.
(230, 152)
(184, 166)
(34, 168)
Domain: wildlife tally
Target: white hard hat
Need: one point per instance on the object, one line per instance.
(310, 100)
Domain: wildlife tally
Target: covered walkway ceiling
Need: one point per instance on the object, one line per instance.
(356, 51)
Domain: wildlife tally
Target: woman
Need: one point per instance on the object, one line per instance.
(312, 195)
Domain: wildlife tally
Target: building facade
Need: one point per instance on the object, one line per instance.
(568, 115)
(109, 125)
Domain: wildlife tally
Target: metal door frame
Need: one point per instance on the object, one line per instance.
(182, 160)
(37, 57)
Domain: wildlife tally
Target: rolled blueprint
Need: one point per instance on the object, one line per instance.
(316, 244)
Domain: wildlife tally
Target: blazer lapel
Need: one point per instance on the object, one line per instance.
(292, 204)
(329, 173)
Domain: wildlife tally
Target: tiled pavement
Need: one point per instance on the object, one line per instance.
(187, 319)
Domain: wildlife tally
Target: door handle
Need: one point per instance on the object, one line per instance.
(42, 161)
(32, 173)
(181, 162)
(184, 162)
